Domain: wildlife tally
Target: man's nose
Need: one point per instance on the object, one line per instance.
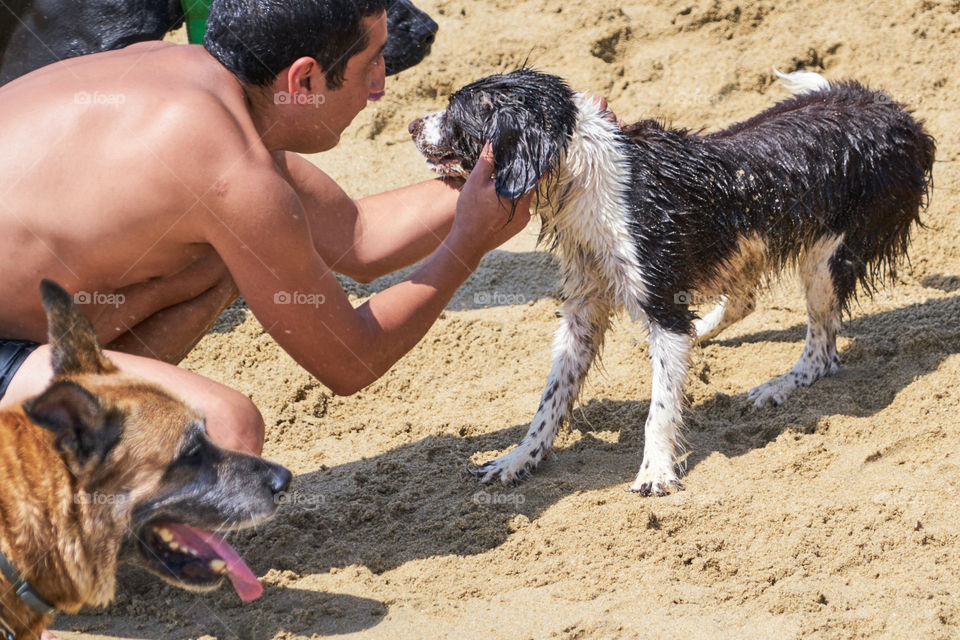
(380, 81)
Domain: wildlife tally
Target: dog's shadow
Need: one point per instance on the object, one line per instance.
(417, 501)
(888, 351)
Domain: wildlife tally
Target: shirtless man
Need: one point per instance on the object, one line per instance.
(159, 181)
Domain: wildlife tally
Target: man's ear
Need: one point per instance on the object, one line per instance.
(304, 75)
(523, 152)
(85, 433)
(72, 339)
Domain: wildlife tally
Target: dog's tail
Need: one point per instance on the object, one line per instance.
(802, 81)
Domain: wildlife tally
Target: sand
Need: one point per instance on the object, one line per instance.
(832, 516)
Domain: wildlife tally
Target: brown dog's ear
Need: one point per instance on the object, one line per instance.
(72, 339)
(85, 432)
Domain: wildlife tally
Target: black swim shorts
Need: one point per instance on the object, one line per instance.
(12, 355)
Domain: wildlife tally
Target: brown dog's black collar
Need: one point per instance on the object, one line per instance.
(23, 589)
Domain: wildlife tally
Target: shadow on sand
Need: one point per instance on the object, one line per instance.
(418, 501)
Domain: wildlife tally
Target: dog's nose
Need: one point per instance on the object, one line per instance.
(415, 127)
(278, 478)
(427, 32)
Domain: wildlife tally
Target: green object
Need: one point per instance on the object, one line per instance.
(195, 14)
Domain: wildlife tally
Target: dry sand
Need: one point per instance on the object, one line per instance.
(833, 516)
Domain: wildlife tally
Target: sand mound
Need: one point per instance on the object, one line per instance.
(834, 515)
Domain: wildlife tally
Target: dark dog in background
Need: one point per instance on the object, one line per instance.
(410, 35)
(651, 219)
(35, 33)
(104, 468)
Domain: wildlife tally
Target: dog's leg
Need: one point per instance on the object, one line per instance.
(670, 356)
(731, 309)
(823, 309)
(577, 341)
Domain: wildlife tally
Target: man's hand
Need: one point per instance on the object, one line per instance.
(484, 221)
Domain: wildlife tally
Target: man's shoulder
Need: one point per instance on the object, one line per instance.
(251, 185)
(199, 98)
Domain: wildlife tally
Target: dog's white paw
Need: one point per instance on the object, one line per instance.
(509, 468)
(775, 391)
(654, 482)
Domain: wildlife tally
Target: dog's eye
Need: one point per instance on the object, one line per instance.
(193, 450)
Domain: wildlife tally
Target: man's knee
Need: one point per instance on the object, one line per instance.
(234, 422)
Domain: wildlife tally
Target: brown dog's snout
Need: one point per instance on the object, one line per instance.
(415, 127)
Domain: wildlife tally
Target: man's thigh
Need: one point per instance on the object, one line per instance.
(232, 420)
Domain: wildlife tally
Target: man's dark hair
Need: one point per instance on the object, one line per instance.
(257, 39)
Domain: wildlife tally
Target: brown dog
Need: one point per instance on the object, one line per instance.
(103, 468)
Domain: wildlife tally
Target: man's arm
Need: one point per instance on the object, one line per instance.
(368, 238)
(296, 297)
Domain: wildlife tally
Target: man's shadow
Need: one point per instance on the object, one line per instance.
(503, 279)
(417, 501)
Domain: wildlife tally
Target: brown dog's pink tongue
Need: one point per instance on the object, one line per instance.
(243, 579)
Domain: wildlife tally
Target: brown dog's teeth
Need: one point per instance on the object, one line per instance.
(174, 546)
(218, 566)
(164, 534)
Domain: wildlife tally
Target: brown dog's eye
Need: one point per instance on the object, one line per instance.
(193, 451)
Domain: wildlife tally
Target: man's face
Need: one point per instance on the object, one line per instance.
(364, 80)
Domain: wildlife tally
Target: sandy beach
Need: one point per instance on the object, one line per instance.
(832, 516)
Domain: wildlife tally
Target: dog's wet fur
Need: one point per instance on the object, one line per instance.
(656, 220)
(95, 466)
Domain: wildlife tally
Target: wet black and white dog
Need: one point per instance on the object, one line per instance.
(650, 219)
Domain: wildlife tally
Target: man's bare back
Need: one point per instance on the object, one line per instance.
(109, 160)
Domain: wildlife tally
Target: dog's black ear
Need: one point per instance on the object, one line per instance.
(85, 432)
(522, 151)
(72, 339)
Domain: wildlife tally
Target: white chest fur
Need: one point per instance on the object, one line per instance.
(588, 219)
